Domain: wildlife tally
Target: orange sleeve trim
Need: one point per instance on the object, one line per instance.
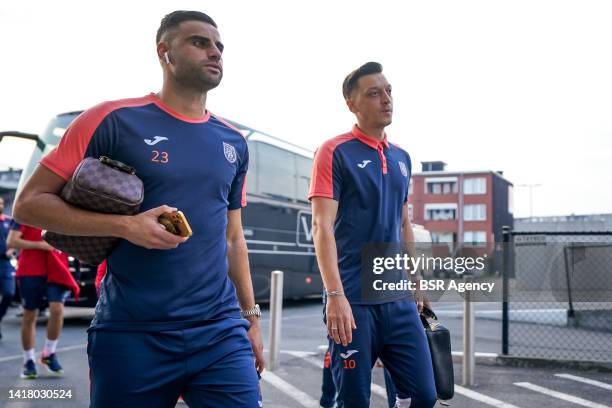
(66, 156)
(323, 194)
(56, 170)
(322, 179)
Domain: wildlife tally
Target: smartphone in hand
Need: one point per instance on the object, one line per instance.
(175, 223)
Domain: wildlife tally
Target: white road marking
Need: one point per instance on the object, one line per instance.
(59, 350)
(309, 357)
(301, 397)
(378, 390)
(561, 395)
(476, 354)
(586, 381)
(485, 399)
(306, 355)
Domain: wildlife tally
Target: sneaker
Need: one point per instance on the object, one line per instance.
(52, 365)
(29, 370)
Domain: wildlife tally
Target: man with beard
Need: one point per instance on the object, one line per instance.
(168, 321)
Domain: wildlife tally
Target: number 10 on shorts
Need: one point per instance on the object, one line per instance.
(349, 364)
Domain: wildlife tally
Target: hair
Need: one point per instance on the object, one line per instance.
(350, 82)
(172, 20)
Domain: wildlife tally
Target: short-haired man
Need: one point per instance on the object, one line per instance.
(168, 321)
(359, 195)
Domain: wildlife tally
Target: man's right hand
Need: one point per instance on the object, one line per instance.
(144, 230)
(340, 321)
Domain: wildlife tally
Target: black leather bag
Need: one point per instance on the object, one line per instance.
(438, 338)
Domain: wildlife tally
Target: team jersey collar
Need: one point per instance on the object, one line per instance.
(177, 115)
(373, 143)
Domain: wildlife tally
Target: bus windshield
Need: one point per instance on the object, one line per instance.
(51, 136)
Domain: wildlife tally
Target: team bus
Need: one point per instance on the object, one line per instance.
(277, 219)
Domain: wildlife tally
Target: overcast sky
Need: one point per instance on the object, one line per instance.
(519, 86)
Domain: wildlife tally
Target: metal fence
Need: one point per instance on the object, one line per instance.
(557, 292)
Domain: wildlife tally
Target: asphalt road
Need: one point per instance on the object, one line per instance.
(297, 381)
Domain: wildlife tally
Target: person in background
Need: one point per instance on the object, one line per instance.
(7, 279)
(100, 273)
(43, 276)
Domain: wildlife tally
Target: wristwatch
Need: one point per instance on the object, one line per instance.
(254, 311)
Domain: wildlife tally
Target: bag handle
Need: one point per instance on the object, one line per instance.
(117, 165)
(425, 314)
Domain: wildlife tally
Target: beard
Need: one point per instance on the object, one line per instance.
(195, 77)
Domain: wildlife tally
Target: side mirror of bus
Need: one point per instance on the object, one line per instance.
(21, 135)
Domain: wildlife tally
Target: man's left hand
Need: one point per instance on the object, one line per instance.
(423, 301)
(254, 334)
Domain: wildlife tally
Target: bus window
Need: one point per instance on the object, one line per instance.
(252, 172)
(304, 168)
(276, 172)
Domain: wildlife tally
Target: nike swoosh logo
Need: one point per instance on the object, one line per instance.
(364, 163)
(348, 354)
(155, 140)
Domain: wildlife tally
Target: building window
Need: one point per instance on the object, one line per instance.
(441, 185)
(440, 211)
(475, 185)
(442, 237)
(478, 238)
(441, 214)
(475, 212)
(410, 187)
(410, 212)
(442, 188)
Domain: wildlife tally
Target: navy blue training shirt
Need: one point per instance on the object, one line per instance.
(369, 179)
(196, 165)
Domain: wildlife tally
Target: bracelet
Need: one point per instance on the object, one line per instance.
(254, 311)
(336, 292)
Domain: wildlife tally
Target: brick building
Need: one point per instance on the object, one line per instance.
(461, 207)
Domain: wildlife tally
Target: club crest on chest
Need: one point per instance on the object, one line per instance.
(230, 152)
(403, 168)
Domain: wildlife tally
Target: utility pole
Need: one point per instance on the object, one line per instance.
(531, 187)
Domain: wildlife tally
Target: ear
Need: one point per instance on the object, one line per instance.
(351, 105)
(162, 48)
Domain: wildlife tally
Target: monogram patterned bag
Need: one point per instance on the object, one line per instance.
(101, 185)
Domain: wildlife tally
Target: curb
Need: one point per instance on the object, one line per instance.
(480, 358)
(601, 366)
